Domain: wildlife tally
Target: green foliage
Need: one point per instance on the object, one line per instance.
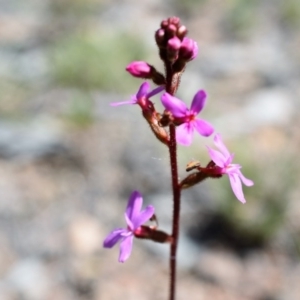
(290, 12)
(80, 112)
(241, 16)
(78, 8)
(96, 62)
(14, 94)
(186, 8)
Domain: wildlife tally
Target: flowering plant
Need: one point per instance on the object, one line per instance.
(175, 125)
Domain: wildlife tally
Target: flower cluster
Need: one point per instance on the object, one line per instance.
(175, 50)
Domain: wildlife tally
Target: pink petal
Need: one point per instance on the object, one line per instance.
(198, 102)
(219, 144)
(245, 180)
(229, 160)
(143, 217)
(184, 134)
(125, 248)
(217, 157)
(129, 222)
(232, 168)
(134, 205)
(177, 107)
(195, 50)
(114, 237)
(203, 127)
(144, 88)
(236, 186)
(133, 101)
(155, 91)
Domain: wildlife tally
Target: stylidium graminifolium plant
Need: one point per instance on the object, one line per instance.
(177, 124)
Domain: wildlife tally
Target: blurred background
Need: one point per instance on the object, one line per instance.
(69, 161)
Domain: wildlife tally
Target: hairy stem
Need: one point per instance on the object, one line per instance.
(172, 83)
(176, 211)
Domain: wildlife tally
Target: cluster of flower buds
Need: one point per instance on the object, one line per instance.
(174, 47)
(175, 50)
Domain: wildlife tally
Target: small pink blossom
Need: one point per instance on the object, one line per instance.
(223, 159)
(187, 117)
(142, 95)
(134, 218)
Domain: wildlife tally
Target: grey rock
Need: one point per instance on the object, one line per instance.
(30, 279)
(30, 140)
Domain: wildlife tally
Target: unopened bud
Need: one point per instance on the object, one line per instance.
(173, 48)
(174, 44)
(174, 20)
(188, 49)
(139, 69)
(171, 30)
(164, 24)
(181, 32)
(160, 37)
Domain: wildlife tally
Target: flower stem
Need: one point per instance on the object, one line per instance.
(176, 210)
(172, 83)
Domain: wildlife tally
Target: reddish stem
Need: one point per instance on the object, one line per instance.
(176, 211)
(172, 82)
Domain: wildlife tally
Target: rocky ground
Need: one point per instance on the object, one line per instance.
(66, 173)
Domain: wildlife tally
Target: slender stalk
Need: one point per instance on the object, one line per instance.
(172, 82)
(176, 211)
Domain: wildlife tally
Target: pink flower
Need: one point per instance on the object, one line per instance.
(223, 159)
(134, 218)
(187, 117)
(142, 95)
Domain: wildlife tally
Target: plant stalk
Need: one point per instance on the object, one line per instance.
(172, 83)
(176, 210)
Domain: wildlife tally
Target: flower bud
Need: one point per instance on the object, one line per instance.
(174, 44)
(188, 49)
(171, 30)
(173, 48)
(181, 32)
(164, 24)
(139, 69)
(174, 20)
(160, 37)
